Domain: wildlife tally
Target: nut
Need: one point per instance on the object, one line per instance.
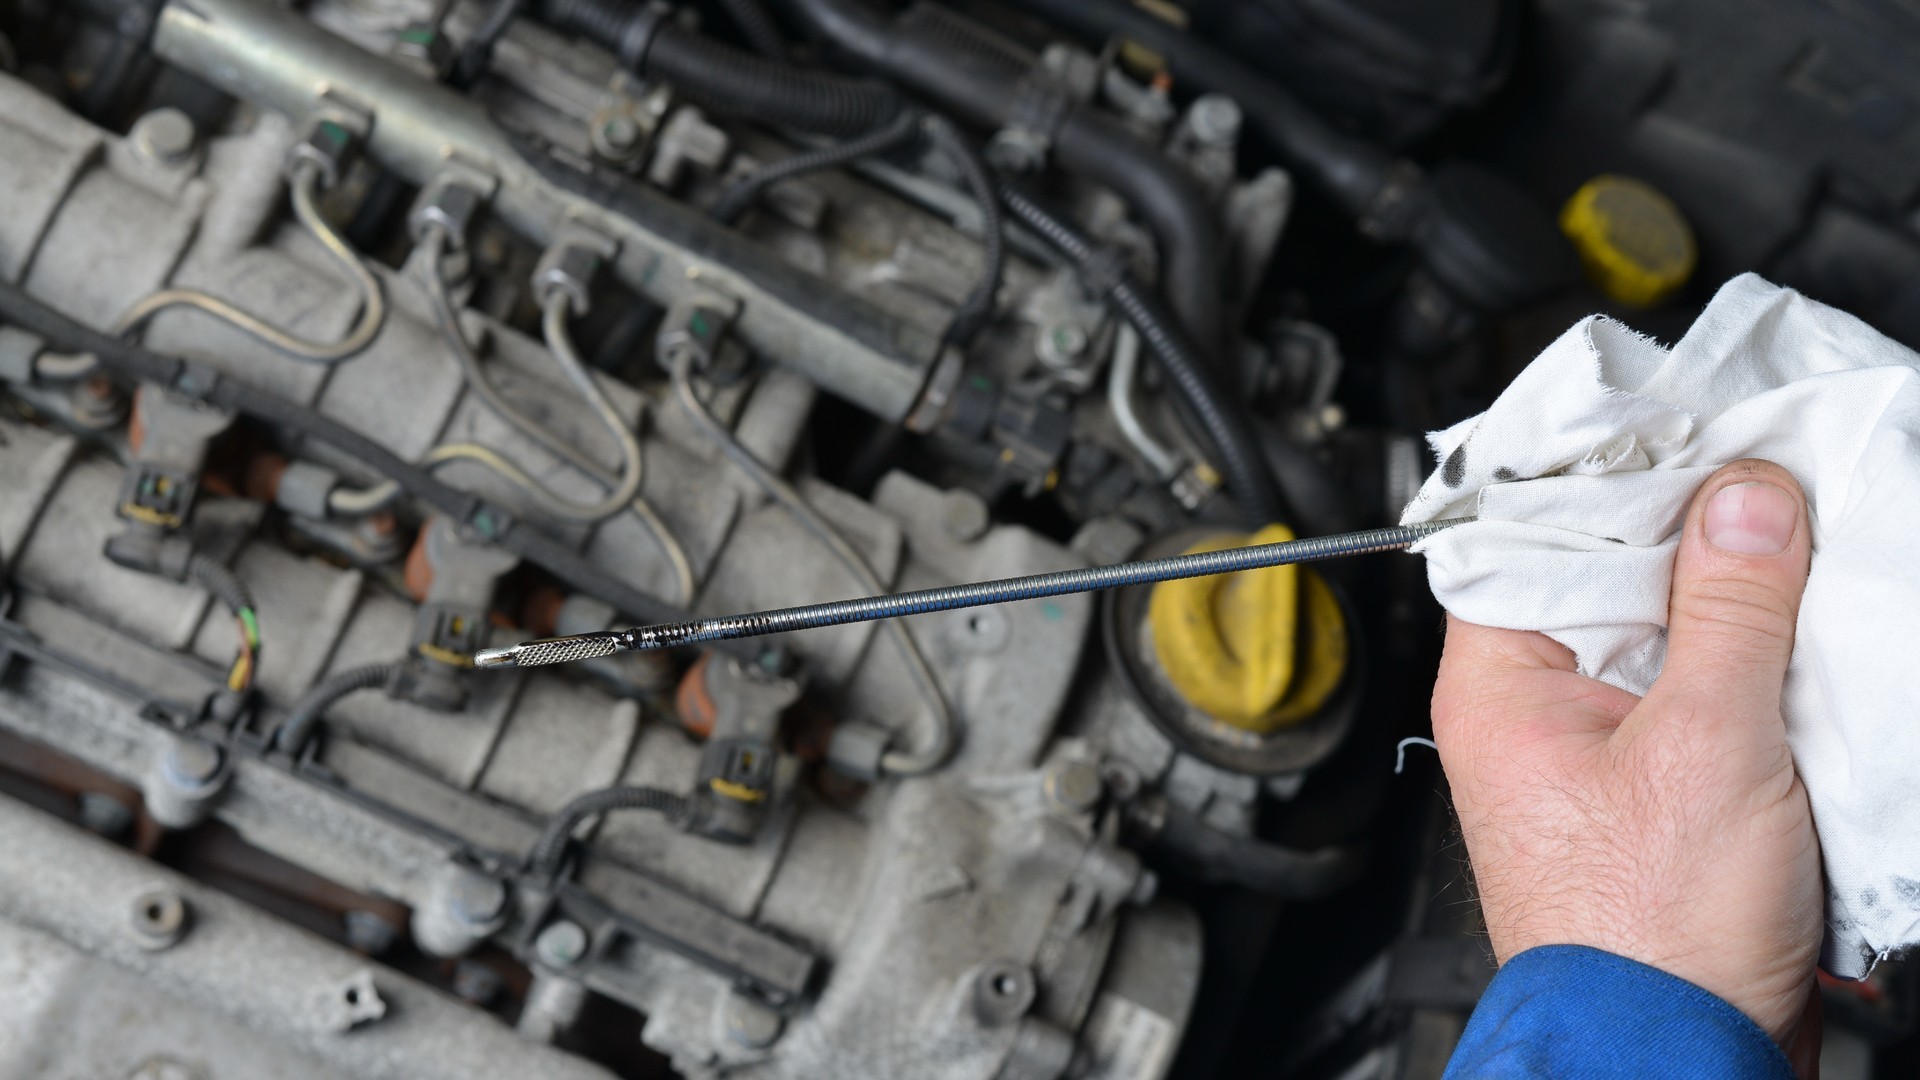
(561, 945)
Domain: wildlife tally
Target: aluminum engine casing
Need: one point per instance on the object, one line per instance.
(911, 897)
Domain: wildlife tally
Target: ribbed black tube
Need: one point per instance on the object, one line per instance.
(547, 851)
(756, 26)
(1222, 425)
(216, 578)
(307, 713)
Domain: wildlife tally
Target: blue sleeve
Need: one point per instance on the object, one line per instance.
(1567, 1011)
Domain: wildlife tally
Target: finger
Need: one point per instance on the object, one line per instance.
(1527, 649)
(1495, 685)
(1737, 582)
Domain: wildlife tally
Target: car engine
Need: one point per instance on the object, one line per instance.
(341, 339)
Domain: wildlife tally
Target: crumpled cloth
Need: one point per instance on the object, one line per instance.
(1581, 473)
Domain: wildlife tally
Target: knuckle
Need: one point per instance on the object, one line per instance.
(1746, 612)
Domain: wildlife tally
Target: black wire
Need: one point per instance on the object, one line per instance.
(547, 851)
(974, 311)
(204, 383)
(312, 707)
(1221, 425)
(477, 54)
(977, 309)
(736, 200)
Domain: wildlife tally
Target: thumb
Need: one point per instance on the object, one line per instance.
(1737, 581)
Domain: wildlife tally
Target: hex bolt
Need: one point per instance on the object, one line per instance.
(476, 982)
(369, 932)
(620, 134)
(104, 814)
(165, 137)
(561, 945)
(1062, 343)
(750, 1024)
(1003, 991)
(964, 516)
(552, 1006)
(182, 786)
(1215, 119)
(158, 918)
(1074, 786)
(193, 762)
(478, 899)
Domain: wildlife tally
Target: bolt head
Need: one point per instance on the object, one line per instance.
(478, 898)
(1074, 786)
(192, 762)
(158, 918)
(620, 132)
(104, 814)
(1062, 343)
(476, 982)
(964, 515)
(369, 932)
(562, 944)
(1215, 119)
(165, 137)
(751, 1024)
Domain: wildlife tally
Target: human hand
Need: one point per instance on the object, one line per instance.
(1672, 830)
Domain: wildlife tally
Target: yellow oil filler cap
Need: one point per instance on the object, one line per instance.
(1259, 650)
(1634, 242)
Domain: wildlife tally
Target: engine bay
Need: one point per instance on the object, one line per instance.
(343, 339)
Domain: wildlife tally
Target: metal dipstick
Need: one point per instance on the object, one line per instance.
(561, 650)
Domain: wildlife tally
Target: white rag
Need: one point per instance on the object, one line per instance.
(1581, 474)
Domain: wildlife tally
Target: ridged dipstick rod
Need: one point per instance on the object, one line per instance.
(562, 650)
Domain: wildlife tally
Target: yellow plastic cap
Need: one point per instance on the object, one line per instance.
(1636, 245)
(1259, 650)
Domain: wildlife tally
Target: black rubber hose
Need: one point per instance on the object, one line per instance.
(969, 72)
(735, 200)
(1350, 169)
(756, 27)
(311, 709)
(203, 383)
(548, 850)
(723, 78)
(1222, 426)
(1208, 854)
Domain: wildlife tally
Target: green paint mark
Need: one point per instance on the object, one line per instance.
(419, 35)
(1052, 611)
(698, 324)
(334, 134)
(981, 383)
(252, 625)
